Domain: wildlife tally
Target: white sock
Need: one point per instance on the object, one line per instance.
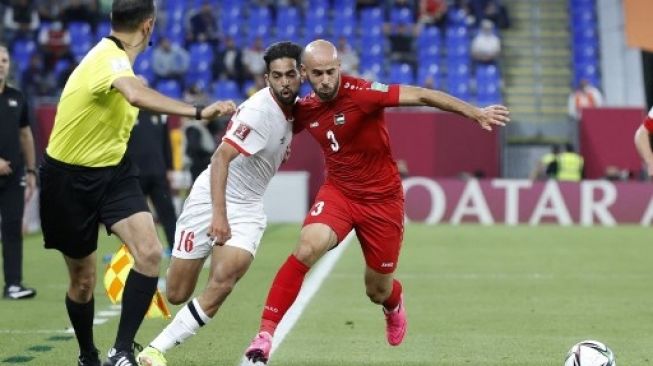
(185, 324)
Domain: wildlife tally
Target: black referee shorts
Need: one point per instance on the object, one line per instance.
(74, 200)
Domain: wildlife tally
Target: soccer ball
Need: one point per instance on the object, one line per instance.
(590, 353)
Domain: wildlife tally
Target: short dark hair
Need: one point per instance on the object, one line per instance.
(282, 50)
(127, 15)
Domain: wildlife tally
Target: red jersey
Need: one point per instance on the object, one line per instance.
(354, 138)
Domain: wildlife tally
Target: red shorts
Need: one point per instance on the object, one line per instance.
(379, 226)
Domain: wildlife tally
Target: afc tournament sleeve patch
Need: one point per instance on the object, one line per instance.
(242, 131)
(379, 87)
(120, 64)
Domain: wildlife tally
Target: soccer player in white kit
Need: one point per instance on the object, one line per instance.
(223, 215)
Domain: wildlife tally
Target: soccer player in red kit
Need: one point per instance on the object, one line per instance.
(363, 189)
(643, 142)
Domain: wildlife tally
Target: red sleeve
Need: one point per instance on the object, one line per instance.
(648, 121)
(236, 146)
(372, 96)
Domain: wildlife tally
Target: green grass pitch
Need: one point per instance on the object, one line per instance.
(475, 295)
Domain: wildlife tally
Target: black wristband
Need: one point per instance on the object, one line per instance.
(30, 171)
(198, 111)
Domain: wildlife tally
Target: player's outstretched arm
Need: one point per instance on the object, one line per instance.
(219, 229)
(643, 145)
(496, 115)
(143, 97)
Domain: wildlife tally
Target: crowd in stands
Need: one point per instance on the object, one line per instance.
(215, 47)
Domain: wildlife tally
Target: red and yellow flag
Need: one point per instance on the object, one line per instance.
(116, 276)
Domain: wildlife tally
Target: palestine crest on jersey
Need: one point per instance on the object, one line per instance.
(339, 119)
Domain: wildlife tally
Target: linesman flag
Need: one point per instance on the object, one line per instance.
(116, 276)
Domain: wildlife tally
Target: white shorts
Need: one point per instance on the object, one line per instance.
(247, 222)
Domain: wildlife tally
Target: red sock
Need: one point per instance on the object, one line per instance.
(394, 299)
(284, 291)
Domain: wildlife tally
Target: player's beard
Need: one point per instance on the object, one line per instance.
(290, 97)
(326, 95)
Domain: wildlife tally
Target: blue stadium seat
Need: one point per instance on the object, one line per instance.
(487, 74)
(259, 15)
(199, 72)
(458, 87)
(175, 33)
(426, 71)
(371, 17)
(288, 15)
(305, 90)
(143, 66)
(456, 17)
(21, 52)
(344, 26)
(170, 88)
(61, 65)
(429, 36)
(401, 16)
(201, 52)
(401, 74)
(79, 30)
(226, 89)
(103, 29)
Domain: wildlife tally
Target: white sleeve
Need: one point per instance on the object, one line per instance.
(248, 131)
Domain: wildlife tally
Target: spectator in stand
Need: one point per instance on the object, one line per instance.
(466, 8)
(585, 96)
(36, 81)
(402, 45)
(80, 11)
(259, 83)
(366, 4)
(54, 42)
(199, 141)
(49, 10)
(65, 74)
(432, 12)
(547, 166)
(21, 21)
(497, 13)
(396, 5)
(348, 58)
(486, 45)
(253, 58)
(169, 61)
(229, 63)
(570, 165)
(204, 26)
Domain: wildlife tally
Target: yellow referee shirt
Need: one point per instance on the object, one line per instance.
(94, 120)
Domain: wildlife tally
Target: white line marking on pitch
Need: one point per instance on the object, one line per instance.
(310, 287)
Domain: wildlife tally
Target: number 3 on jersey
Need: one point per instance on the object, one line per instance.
(317, 208)
(335, 146)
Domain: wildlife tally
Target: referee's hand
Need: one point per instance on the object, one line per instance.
(218, 109)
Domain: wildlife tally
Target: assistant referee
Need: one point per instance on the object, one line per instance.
(88, 180)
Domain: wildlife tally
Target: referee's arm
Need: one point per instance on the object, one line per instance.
(143, 97)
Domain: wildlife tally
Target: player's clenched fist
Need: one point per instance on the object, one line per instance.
(219, 230)
(497, 115)
(218, 109)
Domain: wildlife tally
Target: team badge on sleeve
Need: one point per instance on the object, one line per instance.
(242, 131)
(379, 87)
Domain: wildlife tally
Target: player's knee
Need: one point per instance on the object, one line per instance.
(177, 296)
(222, 288)
(82, 286)
(307, 252)
(150, 254)
(377, 294)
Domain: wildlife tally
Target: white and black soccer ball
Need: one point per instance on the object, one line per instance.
(590, 353)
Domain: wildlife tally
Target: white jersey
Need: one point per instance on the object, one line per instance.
(261, 132)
